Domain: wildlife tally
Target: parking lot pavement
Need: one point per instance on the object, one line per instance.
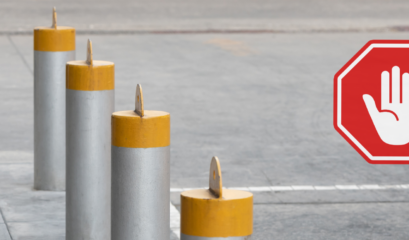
(124, 16)
(28, 214)
(378, 221)
(262, 103)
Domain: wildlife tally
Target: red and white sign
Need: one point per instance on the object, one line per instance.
(371, 101)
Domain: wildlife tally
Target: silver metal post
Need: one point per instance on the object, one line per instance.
(140, 173)
(49, 108)
(89, 110)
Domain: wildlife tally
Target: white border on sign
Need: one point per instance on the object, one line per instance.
(366, 152)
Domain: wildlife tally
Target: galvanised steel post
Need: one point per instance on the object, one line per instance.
(53, 47)
(216, 213)
(140, 173)
(90, 103)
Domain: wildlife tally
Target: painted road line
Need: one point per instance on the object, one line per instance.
(347, 187)
(239, 188)
(259, 189)
(353, 187)
(281, 188)
(369, 187)
(324, 188)
(390, 187)
(303, 188)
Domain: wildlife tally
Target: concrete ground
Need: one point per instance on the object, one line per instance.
(261, 101)
(125, 16)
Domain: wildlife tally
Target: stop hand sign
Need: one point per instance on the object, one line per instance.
(371, 101)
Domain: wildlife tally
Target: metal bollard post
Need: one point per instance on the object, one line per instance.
(216, 213)
(90, 103)
(53, 47)
(140, 173)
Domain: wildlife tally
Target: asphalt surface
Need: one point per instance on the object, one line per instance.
(262, 103)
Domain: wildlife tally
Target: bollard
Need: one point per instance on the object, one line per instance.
(216, 213)
(90, 103)
(53, 47)
(140, 173)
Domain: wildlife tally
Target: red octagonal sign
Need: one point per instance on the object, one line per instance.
(371, 101)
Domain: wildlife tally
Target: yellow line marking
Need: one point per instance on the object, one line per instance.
(235, 47)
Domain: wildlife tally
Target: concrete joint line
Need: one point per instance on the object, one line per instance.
(5, 223)
(223, 30)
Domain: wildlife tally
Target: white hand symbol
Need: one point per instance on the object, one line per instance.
(392, 122)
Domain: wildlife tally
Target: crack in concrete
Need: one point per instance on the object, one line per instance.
(21, 55)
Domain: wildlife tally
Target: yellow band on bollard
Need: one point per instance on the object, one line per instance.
(132, 131)
(204, 215)
(96, 77)
(54, 40)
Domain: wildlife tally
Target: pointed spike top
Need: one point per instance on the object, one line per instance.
(54, 19)
(89, 60)
(215, 178)
(139, 101)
